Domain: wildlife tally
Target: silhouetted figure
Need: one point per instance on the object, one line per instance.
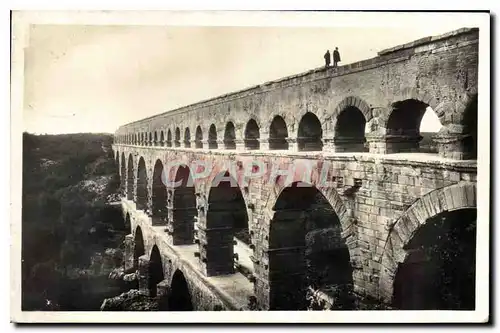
(327, 58)
(336, 57)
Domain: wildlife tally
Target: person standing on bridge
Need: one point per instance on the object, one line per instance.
(327, 58)
(336, 57)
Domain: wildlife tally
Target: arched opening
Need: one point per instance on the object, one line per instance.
(198, 140)
(123, 173)
(187, 138)
(159, 196)
(306, 251)
(136, 139)
(252, 135)
(226, 213)
(150, 141)
(229, 136)
(169, 138)
(184, 209)
(138, 246)
(142, 185)
(439, 271)
(309, 133)
(350, 131)
(177, 137)
(180, 297)
(429, 128)
(130, 178)
(155, 142)
(403, 127)
(278, 134)
(162, 138)
(155, 271)
(212, 137)
(128, 223)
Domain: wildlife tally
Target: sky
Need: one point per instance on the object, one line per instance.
(95, 78)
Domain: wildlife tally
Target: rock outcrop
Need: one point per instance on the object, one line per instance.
(132, 300)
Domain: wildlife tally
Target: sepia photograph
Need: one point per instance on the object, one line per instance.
(315, 167)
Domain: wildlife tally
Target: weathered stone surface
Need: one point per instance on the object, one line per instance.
(377, 196)
(132, 300)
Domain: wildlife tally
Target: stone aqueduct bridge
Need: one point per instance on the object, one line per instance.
(361, 121)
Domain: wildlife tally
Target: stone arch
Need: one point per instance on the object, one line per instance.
(335, 201)
(212, 137)
(155, 271)
(187, 138)
(227, 215)
(162, 138)
(198, 139)
(408, 93)
(305, 226)
(252, 135)
(447, 199)
(139, 248)
(159, 195)
(142, 185)
(278, 134)
(353, 101)
(169, 138)
(130, 178)
(177, 137)
(184, 211)
(401, 125)
(310, 133)
(123, 174)
(229, 136)
(179, 298)
(349, 129)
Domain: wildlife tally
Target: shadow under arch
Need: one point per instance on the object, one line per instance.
(349, 130)
(229, 136)
(123, 174)
(180, 297)
(212, 137)
(252, 135)
(184, 209)
(439, 270)
(414, 239)
(278, 134)
(309, 133)
(198, 139)
(130, 178)
(159, 195)
(187, 138)
(307, 250)
(142, 185)
(226, 214)
(139, 248)
(155, 271)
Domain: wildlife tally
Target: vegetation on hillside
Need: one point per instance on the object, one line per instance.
(66, 219)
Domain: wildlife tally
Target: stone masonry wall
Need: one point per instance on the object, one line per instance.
(441, 72)
(368, 193)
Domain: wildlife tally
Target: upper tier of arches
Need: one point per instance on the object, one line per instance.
(353, 126)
